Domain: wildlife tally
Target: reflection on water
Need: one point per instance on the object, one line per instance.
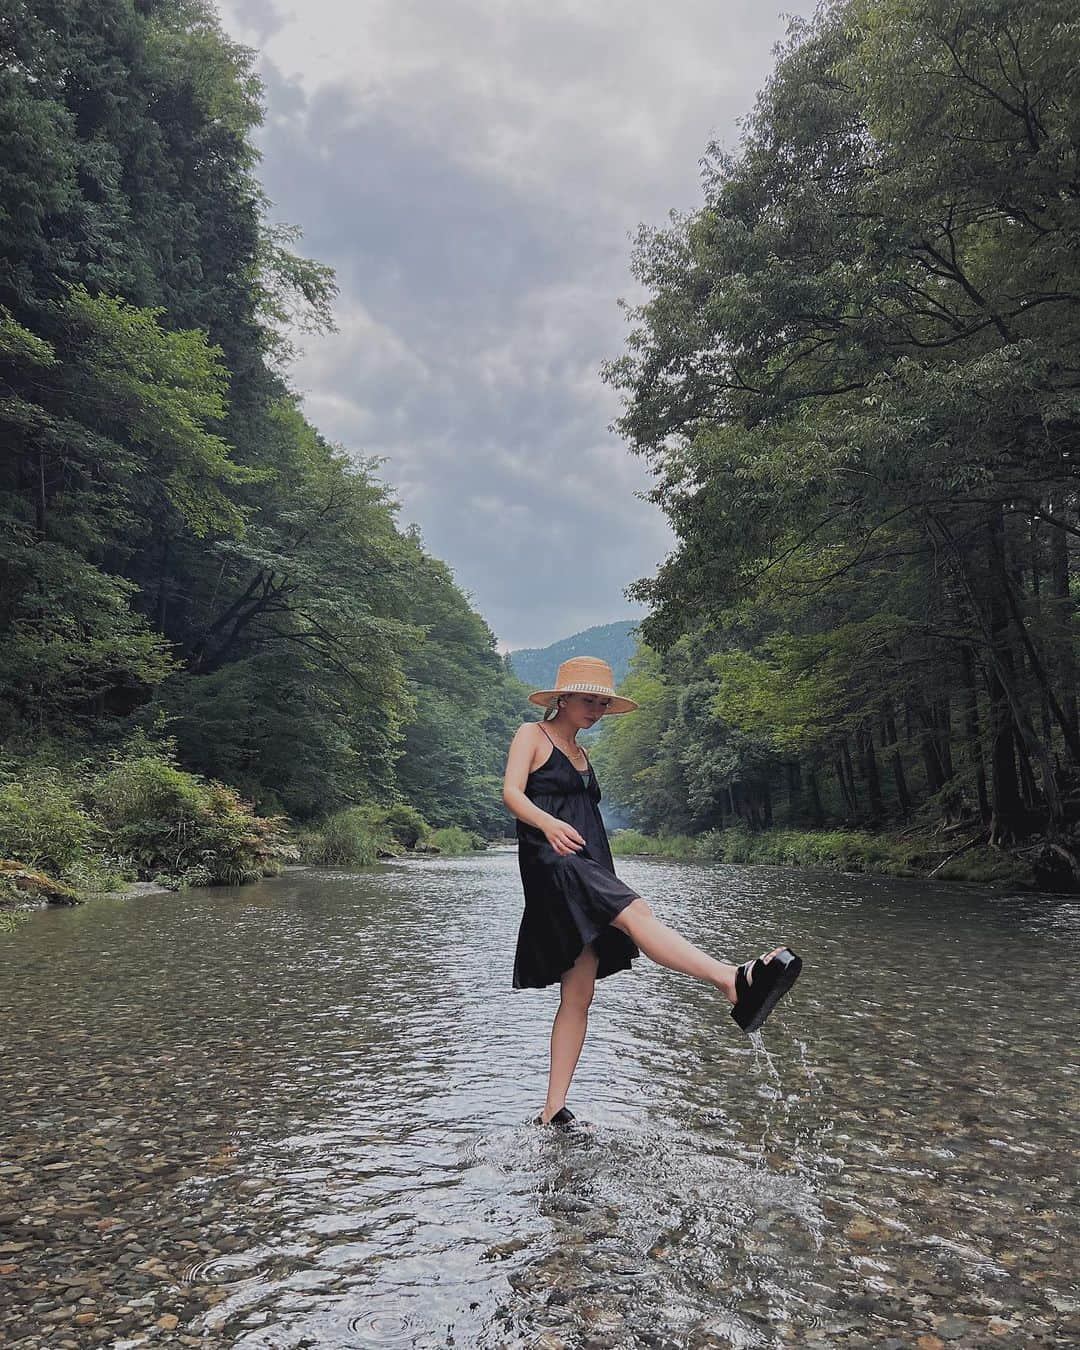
(297, 1114)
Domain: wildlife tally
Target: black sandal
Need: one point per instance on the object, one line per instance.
(564, 1119)
(769, 981)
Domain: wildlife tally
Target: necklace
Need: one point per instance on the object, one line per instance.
(566, 752)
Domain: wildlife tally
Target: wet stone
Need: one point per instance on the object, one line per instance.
(238, 1145)
(951, 1328)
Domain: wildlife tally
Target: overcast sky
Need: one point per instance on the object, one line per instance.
(474, 171)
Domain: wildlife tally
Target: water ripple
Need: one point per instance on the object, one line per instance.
(298, 1114)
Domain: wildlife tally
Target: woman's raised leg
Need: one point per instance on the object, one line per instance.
(568, 1030)
(668, 948)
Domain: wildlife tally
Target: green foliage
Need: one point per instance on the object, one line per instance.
(854, 378)
(406, 824)
(835, 851)
(43, 822)
(637, 767)
(72, 640)
(178, 545)
(21, 347)
(176, 824)
(164, 390)
(95, 824)
(98, 872)
(362, 834)
(357, 836)
(630, 843)
(452, 839)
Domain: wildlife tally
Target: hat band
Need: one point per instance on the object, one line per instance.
(585, 689)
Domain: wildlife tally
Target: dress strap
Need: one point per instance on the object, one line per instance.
(559, 748)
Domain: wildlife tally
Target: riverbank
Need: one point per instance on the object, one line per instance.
(17, 904)
(24, 891)
(950, 858)
(138, 822)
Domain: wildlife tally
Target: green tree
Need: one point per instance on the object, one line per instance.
(858, 360)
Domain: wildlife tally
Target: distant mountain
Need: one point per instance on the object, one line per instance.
(614, 643)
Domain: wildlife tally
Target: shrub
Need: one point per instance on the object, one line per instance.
(453, 839)
(175, 824)
(101, 872)
(406, 824)
(355, 836)
(42, 823)
(362, 834)
(661, 845)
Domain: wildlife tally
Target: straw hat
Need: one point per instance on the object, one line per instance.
(584, 675)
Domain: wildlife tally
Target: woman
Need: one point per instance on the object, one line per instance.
(581, 922)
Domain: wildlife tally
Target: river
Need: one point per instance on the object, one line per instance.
(296, 1114)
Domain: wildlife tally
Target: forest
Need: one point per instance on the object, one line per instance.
(196, 587)
(853, 379)
(855, 382)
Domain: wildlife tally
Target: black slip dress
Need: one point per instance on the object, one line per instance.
(570, 899)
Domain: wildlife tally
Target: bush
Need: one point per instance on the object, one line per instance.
(836, 850)
(833, 850)
(356, 836)
(175, 824)
(362, 834)
(624, 842)
(101, 872)
(633, 841)
(43, 824)
(453, 839)
(406, 824)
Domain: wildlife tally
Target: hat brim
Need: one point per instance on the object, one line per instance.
(618, 704)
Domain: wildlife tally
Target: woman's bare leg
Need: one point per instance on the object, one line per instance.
(668, 948)
(568, 1030)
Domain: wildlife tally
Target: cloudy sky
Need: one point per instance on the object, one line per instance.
(474, 171)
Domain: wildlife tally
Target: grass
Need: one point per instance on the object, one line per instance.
(361, 835)
(833, 850)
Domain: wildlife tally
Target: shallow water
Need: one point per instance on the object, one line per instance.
(297, 1114)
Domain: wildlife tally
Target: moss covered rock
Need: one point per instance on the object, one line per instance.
(22, 884)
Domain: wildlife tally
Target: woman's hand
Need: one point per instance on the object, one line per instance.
(562, 837)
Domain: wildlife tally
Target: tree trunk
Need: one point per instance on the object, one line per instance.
(1007, 818)
(870, 774)
(890, 738)
(931, 754)
(163, 584)
(942, 713)
(971, 728)
(1063, 616)
(849, 774)
(845, 790)
(793, 771)
(1028, 786)
(991, 604)
(39, 498)
(815, 799)
(1072, 738)
(1007, 812)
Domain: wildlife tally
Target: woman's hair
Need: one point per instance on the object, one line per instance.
(552, 711)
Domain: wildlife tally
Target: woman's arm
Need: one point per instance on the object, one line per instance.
(562, 836)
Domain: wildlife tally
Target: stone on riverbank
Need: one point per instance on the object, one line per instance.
(22, 887)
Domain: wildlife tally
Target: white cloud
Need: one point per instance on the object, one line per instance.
(474, 170)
